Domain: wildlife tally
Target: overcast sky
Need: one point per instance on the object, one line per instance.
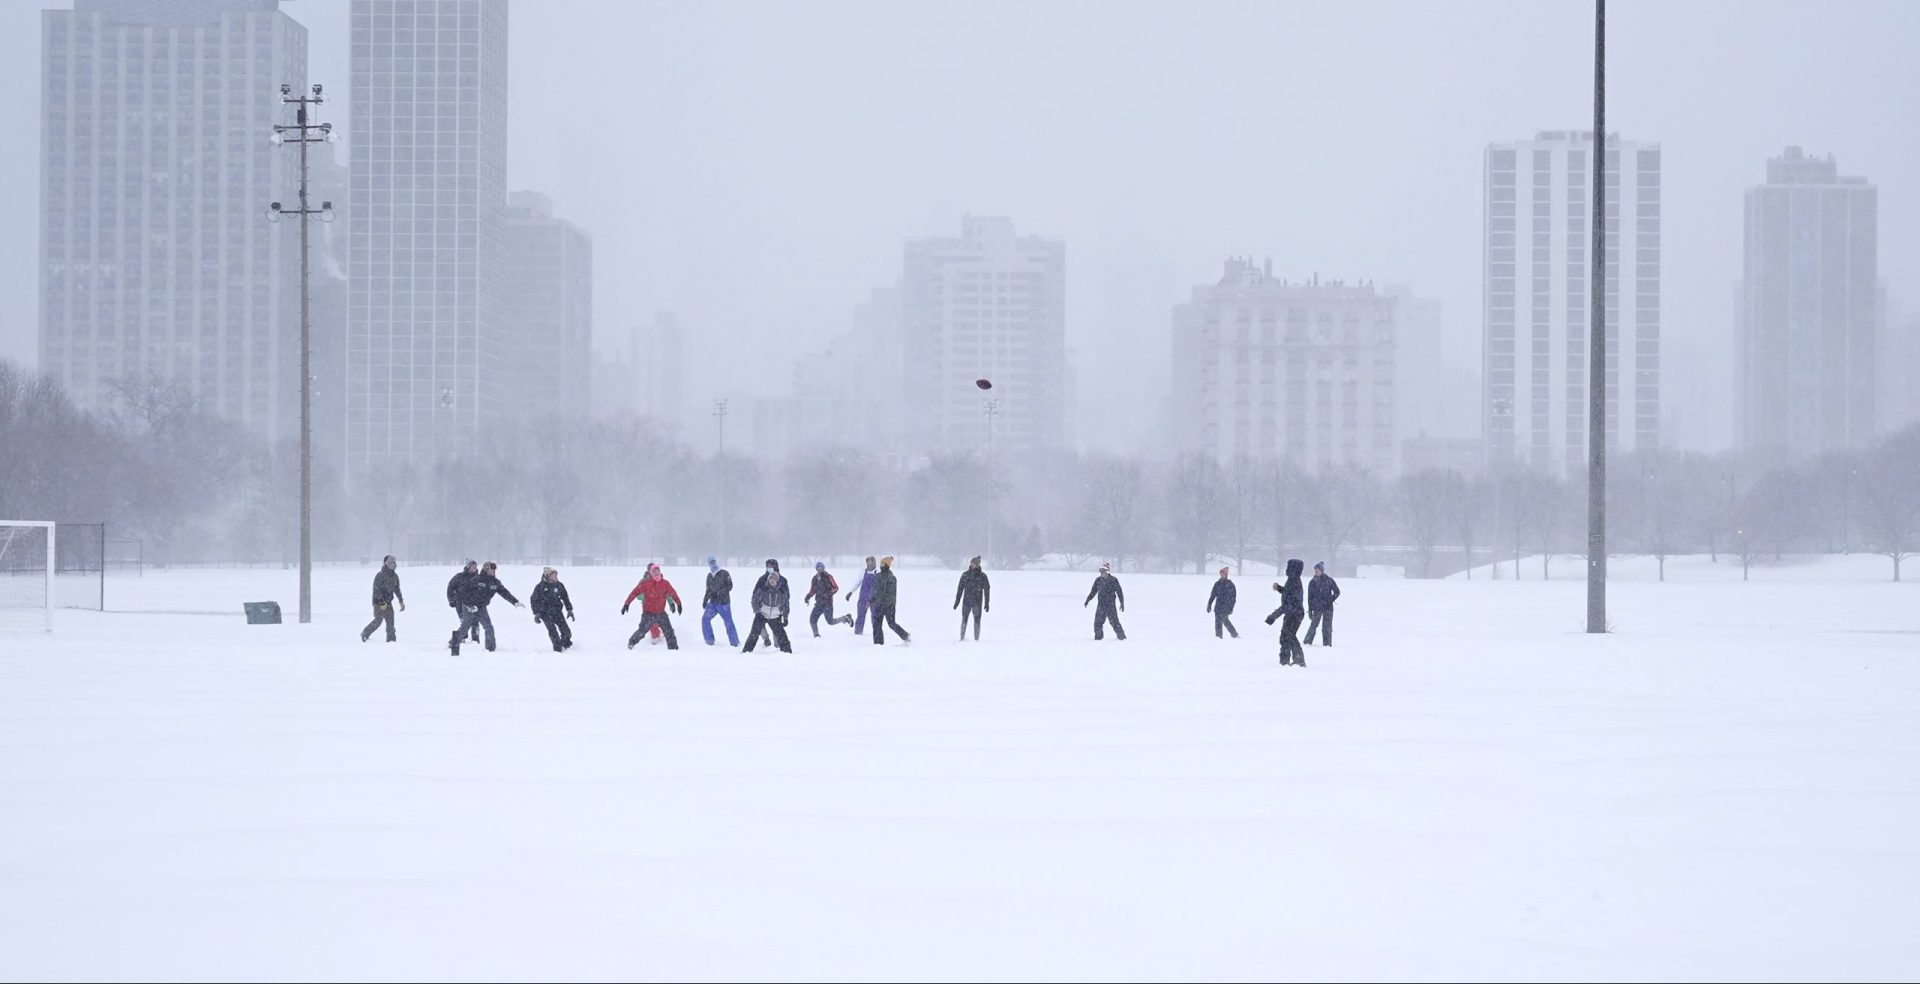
(755, 167)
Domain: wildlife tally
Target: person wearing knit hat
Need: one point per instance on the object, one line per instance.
(886, 599)
(1221, 603)
(977, 594)
(772, 603)
(1322, 591)
(552, 608)
(1113, 601)
(821, 593)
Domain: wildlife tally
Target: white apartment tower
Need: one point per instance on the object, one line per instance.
(1537, 305)
(1301, 370)
(985, 304)
(157, 263)
(1810, 309)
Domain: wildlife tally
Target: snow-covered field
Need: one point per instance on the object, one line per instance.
(1467, 787)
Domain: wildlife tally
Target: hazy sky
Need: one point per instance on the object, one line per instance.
(754, 167)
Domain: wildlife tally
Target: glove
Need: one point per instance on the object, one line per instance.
(849, 597)
(783, 621)
(678, 610)
(1270, 618)
(986, 608)
(472, 608)
(956, 606)
(1084, 604)
(403, 606)
(623, 609)
(569, 616)
(536, 620)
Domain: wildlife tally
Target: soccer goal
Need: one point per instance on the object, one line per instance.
(26, 576)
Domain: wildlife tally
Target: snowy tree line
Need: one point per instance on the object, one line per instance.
(194, 488)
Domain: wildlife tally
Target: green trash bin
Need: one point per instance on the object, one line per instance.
(263, 613)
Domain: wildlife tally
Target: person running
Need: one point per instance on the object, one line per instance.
(886, 597)
(476, 593)
(656, 597)
(772, 601)
(386, 594)
(1113, 601)
(548, 600)
(866, 597)
(1292, 608)
(976, 593)
(467, 572)
(718, 601)
(1221, 602)
(821, 594)
(1322, 592)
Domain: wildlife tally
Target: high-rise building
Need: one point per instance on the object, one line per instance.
(1898, 401)
(550, 306)
(429, 348)
(987, 304)
(157, 264)
(1809, 317)
(1537, 303)
(1302, 370)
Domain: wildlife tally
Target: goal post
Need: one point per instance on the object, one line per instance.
(26, 575)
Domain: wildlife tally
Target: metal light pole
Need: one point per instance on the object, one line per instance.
(1597, 343)
(992, 410)
(720, 469)
(302, 131)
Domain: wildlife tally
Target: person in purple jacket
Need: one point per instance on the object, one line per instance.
(866, 598)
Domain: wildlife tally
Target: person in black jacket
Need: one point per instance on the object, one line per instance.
(1221, 602)
(1322, 591)
(475, 593)
(1107, 588)
(886, 599)
(718, 602)
(386, 594)
(547, 600)
(821, 593)
(471, 569)
(976, 592)
(772, 601)
(1293, 608)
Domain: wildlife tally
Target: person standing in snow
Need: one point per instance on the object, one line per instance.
(821, 593)
(1292, 608)
(886, 598)
(718, 601)
(866, 597)
(656, 596)
(1113, 601)
(976, 592)
(476, 592)
(1221, 603)
(552, 607)
(467, 572)
(772, 602)
(1322, 592)
(386, 594)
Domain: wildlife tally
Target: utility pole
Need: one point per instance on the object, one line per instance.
(993, 410)
(303, 132)
(720, 472)
(1597, 343)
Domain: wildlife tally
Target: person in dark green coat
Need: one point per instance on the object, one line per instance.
(886, 594)
(386, 594)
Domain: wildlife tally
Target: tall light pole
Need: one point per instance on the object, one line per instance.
(992, 408)
(720, 471)
(301, 132)
(1597, 343)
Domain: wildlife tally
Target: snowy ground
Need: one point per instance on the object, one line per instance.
(1466, 788)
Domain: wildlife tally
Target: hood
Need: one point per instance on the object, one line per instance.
(1294, 567)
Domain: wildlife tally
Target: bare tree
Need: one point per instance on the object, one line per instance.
(1337, 503)
(1890, 497)
(1194, 495)
(1423, 498)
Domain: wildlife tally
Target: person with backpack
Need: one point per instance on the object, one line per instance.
(386, 594)
(1322, 592)
(1292, 608)
(476, 592)
(821, 594)
(1113, 601)
(772, 602)
(886, 598)
(1221, 603)
(718, 601)
(976, 593)
(656, 597)
(552, 607)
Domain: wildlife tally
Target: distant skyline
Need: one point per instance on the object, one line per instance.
(760, 186)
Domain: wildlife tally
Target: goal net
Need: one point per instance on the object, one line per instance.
(26, 576)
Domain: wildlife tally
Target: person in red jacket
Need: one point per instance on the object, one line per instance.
(656, 596)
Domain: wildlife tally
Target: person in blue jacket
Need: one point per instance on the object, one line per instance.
(1221, 602)
(1322, 592)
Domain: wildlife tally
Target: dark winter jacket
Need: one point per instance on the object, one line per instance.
(1107, 587)
(1223, 597)
(1292, 601)
(975, 588)
(479, 589)
(456, 586)
(719, 589)
(1321, 593)
(548, 599)
(886, 591)
(824, 586)
(386, 587)
(771, 596)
